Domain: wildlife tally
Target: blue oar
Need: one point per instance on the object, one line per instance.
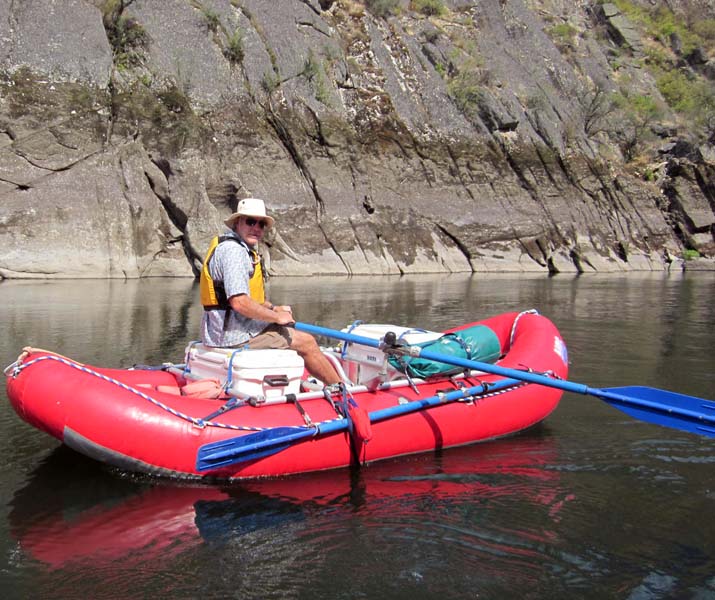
(669, 409)
(264, 443)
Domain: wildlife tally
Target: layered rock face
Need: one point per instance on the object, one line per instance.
(386, 137)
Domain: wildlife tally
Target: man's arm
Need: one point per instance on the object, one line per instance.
(249, 308)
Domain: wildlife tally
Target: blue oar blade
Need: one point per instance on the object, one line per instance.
(250, 447)
(665, 397)
(665, 408)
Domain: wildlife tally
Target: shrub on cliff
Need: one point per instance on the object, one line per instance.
(429, 8)
(383, 8)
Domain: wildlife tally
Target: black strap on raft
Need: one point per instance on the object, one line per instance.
(463, 385)
(292, 399)
(229, 405)
(328, 395)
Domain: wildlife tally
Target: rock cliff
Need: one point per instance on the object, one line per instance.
(387, 136)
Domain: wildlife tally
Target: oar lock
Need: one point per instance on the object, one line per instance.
(391, 344)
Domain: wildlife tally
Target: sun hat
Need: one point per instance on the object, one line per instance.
(250, 207)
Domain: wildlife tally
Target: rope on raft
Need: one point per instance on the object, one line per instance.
(17, 368)
(531, 311)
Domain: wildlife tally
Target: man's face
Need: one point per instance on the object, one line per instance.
(251, 229)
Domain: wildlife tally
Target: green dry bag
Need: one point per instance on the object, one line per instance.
(474, 343)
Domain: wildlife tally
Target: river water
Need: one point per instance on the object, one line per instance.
(590, 504)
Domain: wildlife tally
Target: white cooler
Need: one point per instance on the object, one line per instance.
(368, 366)
(258, 373)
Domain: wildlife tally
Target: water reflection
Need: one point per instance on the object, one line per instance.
(105, 322)
(99, 518)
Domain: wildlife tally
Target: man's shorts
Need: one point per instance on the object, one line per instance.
(278, 337)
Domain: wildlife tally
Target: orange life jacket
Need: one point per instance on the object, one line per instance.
(213, 294)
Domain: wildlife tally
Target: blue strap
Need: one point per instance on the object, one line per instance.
(346, 344)
(409, 331)
(229, 377)
(187, 366)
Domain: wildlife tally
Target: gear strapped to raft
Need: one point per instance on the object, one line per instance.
(474, 343)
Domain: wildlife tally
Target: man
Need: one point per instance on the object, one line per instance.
(236, 311)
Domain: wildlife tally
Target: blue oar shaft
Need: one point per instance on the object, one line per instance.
(568, 386)
(237, 447)
(578, 388)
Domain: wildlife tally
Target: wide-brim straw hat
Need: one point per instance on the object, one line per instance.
(250, 207)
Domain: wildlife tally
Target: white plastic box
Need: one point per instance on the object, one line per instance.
(368, 366)
(259, 373)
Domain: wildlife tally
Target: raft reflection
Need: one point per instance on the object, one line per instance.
(113, 523)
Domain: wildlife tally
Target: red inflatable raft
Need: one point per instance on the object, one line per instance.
(266, 423)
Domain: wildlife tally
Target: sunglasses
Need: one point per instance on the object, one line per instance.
(250, 221)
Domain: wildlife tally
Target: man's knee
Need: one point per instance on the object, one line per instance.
(304, 342)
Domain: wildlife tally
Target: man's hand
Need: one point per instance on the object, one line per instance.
(248, 307)
(285, 314)
(285, 317)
